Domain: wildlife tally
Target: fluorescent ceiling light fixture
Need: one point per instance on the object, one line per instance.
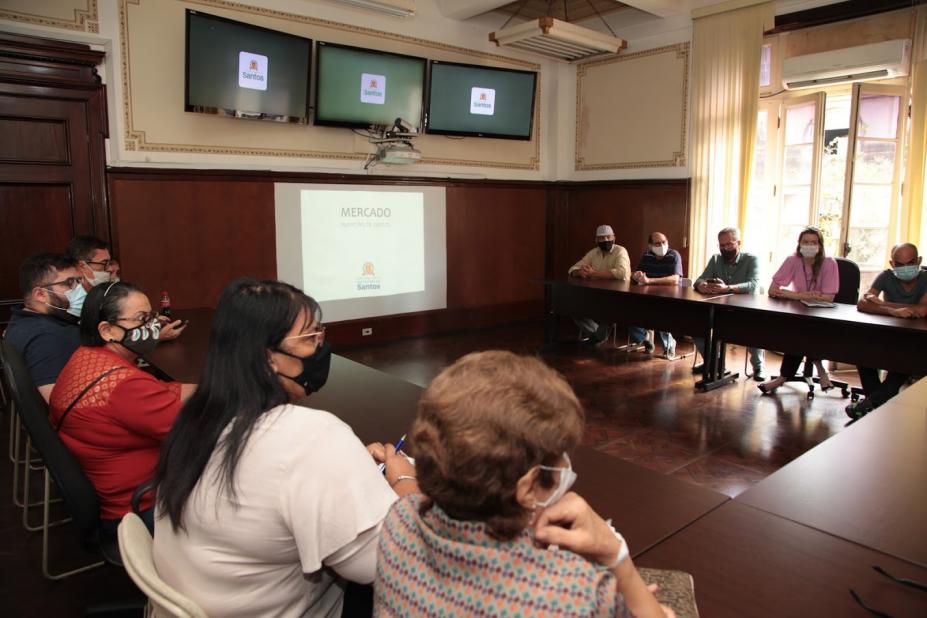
(558, 39)
(396, 8)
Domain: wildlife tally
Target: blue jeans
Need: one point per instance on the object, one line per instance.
(756, 354)
(638, 334)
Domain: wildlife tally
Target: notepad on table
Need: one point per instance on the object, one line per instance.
(817, 303)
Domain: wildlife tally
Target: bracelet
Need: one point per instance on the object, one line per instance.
(623, 551)
(402, 477)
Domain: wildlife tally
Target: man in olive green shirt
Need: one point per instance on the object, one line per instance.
(606, 261)
(731, 272)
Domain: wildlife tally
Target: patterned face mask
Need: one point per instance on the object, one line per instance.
(142, 339)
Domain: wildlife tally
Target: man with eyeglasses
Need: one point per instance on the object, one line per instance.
(93, 259)
(97, 265)
(44, 328)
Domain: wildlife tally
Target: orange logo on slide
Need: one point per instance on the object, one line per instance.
(482, 96)
(373, 83)
(253, 66)
(368, 269)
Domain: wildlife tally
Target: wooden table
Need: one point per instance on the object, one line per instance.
(867, 484)
(842, 333)
(747, 562)
(667, 308)
(646, 506)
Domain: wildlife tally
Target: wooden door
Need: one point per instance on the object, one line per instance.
(52, 127)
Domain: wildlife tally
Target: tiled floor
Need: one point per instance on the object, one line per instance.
(645, 410)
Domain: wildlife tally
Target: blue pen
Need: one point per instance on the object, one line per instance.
(399, 444)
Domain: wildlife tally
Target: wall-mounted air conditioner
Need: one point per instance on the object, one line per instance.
(852, 64)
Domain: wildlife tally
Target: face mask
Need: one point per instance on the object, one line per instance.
(315, 368)
(907, 273)
(76, 298)
(659, 250)
(606, 245)
(567, 478)
(98, 278)
(142, 339)
(729, 254)
(808, 251)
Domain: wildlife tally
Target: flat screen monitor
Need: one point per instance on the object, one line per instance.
(246, 71)
(358, 87)
(466, 99)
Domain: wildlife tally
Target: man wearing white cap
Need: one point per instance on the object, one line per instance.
(606, 261)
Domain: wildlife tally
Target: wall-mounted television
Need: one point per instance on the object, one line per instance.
(358, 87)
(241, 70)
(466, 99)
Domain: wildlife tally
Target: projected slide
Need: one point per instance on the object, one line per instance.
(358, 244)
(363, 251)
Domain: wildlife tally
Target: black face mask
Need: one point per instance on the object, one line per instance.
(729, 254)
(315, 368)
(606, 245)
(142, 339)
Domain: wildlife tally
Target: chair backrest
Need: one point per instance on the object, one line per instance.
(75, 488)
(137, 558)
(848, 271)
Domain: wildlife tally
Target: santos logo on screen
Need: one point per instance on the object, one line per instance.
(482, 101)
(252, 71)
(373, 89)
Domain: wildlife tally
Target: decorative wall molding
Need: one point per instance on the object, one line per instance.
(677, 156)
(137, 139)
(85, 17)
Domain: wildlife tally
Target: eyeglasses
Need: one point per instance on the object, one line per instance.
(104, 263)
(142, 318)
(71, 282)
(319, 332)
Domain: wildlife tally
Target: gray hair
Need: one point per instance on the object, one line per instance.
(733, 231)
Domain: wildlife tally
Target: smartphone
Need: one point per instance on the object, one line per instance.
(183, 323)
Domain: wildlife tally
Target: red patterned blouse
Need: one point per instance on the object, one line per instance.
(116, 429)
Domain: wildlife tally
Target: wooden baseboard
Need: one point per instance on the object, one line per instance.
(347, 334)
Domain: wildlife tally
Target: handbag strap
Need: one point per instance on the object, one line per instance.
(81, 394)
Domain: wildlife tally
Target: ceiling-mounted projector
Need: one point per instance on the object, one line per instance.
(397, 153)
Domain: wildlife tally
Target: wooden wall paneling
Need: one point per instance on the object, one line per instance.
(192, 231)
(192, 238)
(495, 245)
(633, 209)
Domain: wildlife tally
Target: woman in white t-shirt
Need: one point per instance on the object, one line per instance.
(265, 507)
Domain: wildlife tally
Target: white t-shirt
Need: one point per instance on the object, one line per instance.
(310, 501)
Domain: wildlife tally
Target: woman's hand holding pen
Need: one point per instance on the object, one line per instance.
(400, 472)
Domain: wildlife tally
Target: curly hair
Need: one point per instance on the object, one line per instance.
(482, 424)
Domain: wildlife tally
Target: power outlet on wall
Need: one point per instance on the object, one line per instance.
(366, 332)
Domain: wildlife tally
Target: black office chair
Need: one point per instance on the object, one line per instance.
(78, 494)
(847, 294)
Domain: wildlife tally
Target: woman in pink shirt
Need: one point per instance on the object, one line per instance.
(806, 275)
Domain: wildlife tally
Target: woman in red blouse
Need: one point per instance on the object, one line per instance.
(109, 413)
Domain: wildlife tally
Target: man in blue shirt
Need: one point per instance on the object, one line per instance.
(900, 291)
(44, 328)
(659, 265)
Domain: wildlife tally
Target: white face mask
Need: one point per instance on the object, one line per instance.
(659, 250)
(76, 297)
(808, 251)
(99, 277)
(567, 478)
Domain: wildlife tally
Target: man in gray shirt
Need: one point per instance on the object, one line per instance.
(731, 272)
(900, 291)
